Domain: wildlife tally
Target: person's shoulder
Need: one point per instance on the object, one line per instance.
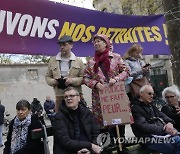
(85, 109)
(79, 60)
(35, 122)
(166, 107)
(52, 102)
(52, 59)
(34, 118)
(91, 60)
(114, 54)
(136, 104)
(135, 101)
(2, 106)
(59, 115)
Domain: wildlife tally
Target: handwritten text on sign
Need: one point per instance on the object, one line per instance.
(115, 104)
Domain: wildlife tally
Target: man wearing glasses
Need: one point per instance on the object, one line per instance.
(75, 130)
(64, 70)
(152, 125)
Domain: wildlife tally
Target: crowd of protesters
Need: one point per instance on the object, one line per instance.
(76, 127)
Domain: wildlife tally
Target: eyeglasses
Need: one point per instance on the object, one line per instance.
(167, 97)
(70, 96)
(150, 93)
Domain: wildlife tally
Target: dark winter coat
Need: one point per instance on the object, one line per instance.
(36, 107)
(2, 110)
(171, 112)
(64, 130)
(144, 125)
(33, 146)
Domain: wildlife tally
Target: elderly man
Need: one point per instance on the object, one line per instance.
(150, 123)
(75, 130)
(64, 69)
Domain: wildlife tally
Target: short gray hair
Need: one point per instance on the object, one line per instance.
(143, 88)
(71, 88)
(172, 89)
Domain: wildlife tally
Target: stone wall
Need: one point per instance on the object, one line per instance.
(25, 81)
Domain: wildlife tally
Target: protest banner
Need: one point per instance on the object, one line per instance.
(115, 105)
(24, 29)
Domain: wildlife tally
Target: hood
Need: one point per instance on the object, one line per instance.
(132, 59)
(103, 37)
(66, 111)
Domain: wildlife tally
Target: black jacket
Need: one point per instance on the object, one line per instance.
(2, 110)
(32, 146)
(65, 141)
(36, 107)
(143, 124)
(171, 112)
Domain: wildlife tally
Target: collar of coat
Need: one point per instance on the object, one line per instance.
(72, 57)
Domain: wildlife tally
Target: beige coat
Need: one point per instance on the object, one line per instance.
(75, 73)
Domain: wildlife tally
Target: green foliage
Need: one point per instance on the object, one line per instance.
(142, 7)
(35, 59)
(28, 59)
(5, 59)
(130, 7)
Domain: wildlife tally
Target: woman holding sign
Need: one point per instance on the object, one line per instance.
(104, 67)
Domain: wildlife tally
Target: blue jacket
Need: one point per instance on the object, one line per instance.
(49, 105)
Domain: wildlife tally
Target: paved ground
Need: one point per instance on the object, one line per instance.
(128, 133)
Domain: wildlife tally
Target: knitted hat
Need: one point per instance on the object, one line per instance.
(102, 37)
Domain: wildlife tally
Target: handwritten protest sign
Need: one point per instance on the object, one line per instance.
(115, 105)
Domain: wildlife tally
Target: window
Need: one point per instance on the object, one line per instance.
(32, 74)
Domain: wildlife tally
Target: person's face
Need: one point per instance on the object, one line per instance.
(48, 98)
(137, 53)
(147, 95)
(22, 113)
(65, 48)
(171, 98)
(71, 99)
(99, 45)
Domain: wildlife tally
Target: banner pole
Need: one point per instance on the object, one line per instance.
(118, 135)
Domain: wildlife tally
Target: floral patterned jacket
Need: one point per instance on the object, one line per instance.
(118, 71)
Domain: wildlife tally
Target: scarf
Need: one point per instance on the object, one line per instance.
(19, 133)
(102, 58)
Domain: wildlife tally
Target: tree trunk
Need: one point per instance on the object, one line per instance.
(172, 17)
